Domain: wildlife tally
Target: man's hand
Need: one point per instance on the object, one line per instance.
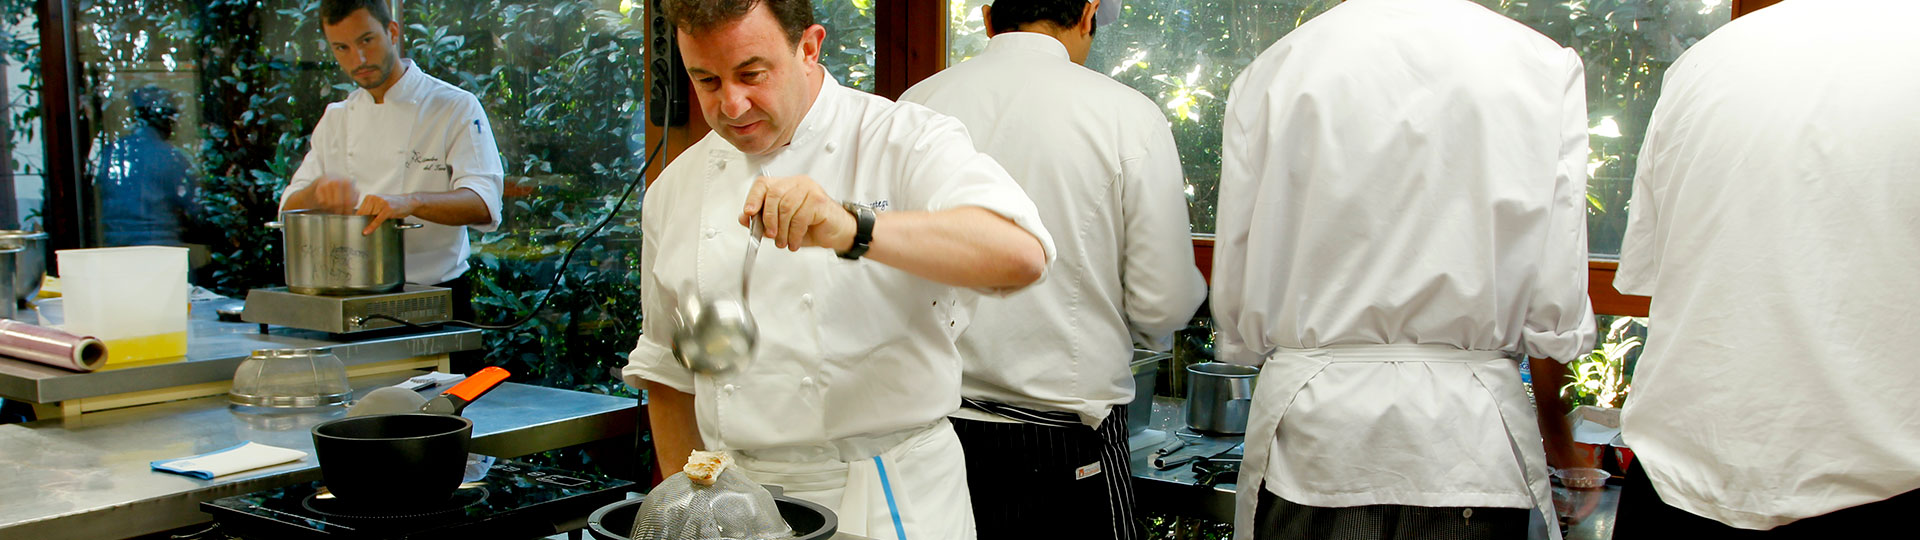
(385, 207)
(334, 194)
(797, 213)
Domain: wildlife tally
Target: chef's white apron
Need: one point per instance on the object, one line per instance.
(1288, 371)
(910, 485)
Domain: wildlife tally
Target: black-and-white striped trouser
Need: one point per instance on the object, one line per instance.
(1054, 480)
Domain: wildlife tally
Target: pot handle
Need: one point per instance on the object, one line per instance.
(275, 225)
(456, 399)
(397, 224)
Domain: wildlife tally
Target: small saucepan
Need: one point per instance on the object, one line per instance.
(404, 461)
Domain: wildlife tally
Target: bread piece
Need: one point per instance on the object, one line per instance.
(705, 467)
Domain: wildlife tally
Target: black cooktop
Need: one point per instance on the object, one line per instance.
(515, 500)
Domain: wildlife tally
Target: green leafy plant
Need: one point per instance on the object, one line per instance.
(1604, 377)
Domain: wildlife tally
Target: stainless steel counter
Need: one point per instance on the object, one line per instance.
(87, 477)
(214, 350)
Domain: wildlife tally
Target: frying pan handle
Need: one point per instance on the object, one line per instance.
(475, 386)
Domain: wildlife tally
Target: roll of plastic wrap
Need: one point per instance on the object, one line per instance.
(52, 347)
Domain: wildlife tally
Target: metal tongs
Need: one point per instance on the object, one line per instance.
(718, 336)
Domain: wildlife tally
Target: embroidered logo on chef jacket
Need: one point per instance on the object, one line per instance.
(878, 206)
(428, 163)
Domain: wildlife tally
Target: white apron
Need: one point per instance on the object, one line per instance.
(914, 488)
(1288, 371)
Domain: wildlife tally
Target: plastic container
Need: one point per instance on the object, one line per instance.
(133, 298)
(1582, 477)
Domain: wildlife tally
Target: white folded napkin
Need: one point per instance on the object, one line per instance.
(247, 456)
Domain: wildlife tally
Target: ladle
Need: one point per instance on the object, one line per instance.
(717, 336)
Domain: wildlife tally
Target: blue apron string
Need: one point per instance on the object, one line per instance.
(899, 530)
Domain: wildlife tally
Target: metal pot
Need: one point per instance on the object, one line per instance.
(1146, 370)
(326, 254)
(1219, 397)
(30, 264)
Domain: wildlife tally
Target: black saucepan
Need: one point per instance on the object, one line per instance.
(406, 461)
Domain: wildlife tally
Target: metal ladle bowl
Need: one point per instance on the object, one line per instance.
(716, 336)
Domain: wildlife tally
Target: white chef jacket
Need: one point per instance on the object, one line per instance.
(1775, 221)
(1099, 161)
(428, 136)
(848, 350)
(1401, 207)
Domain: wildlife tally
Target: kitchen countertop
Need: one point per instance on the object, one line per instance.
(214, 349)
(1177, 491)
(88, 477)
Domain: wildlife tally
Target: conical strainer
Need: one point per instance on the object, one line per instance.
(733, 508)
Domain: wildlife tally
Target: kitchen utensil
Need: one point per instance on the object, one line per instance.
(1146, 369)
(1219, 397)
(29, 265)
(52, 347)
(809, 520)
(327, 255)
(406, 460)
(718, 335)
(133, 298)
(387, 400)
(733, 507)
(290, 379)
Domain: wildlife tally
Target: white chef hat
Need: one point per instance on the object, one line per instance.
(1109, 12)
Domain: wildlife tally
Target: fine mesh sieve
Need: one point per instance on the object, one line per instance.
(733, 508)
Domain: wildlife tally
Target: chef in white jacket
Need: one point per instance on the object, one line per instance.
(404, 145)
(1046, 379)
(1401, 216)
(1775, 221)
(883, 224)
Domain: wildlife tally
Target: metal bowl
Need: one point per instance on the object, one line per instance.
(29, 264)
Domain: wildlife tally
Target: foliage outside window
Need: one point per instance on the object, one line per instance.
(1185, 53)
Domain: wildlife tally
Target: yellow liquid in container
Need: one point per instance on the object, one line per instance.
(145, 350)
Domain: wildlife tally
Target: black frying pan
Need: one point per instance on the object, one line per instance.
(403, 462)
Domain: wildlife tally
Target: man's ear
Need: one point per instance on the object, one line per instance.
(811, 41)
(986, 19)
(1086, 18)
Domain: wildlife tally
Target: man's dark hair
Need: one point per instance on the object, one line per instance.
(1010, 15)
(334, 11)
(795, 16)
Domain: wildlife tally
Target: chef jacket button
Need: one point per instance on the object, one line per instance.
(831, 147)
(711, 232)
(806, 381)
(727, 388)
(806, 300)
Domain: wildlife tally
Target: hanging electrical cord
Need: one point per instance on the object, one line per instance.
(560, 274)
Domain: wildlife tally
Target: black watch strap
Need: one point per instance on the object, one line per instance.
(862, 232)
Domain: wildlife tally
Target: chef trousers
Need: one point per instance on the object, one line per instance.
(1280, 519)
(1643, 515)
(1032, 480)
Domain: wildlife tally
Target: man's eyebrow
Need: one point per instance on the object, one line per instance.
(742, 65)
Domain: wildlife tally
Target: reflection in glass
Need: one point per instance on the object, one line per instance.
(1184, 53)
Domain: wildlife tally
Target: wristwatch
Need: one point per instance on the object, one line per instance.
(862, 232)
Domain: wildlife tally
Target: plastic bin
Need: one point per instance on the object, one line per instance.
(133, 298)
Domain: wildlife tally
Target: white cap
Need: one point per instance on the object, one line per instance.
(1109, 12)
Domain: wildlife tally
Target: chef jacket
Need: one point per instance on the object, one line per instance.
(1775, 221)
(428, 136)
(848, 350)
(1098, 159)
(1401, 205)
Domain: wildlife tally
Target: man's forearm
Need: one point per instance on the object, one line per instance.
(300, 199)
(676, 432)
(459, 207)
(964, 247)
(1548, 376)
